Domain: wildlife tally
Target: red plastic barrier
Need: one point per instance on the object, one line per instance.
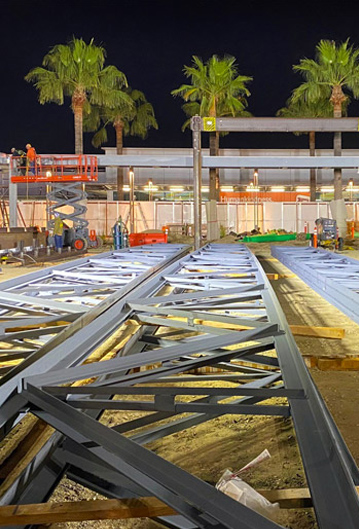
(138, 239)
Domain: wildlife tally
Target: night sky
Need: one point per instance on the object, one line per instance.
(150, 41)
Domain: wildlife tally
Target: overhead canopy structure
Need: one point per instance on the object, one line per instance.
(281, 124)
(197, 161)
(233, 162)
(211, 124)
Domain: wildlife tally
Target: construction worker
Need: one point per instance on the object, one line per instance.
(31, 159)
(19, 160)
(58, 231)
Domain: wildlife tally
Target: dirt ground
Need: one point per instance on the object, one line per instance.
(303, 306)
(231, 441)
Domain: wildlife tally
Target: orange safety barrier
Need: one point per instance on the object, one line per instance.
(138, 239)
(315, 238)
(55, 168)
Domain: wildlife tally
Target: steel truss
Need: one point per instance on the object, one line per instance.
(213, 308)
(333, 276)
(42, 309)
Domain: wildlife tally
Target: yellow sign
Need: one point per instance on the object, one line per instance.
(209, 124)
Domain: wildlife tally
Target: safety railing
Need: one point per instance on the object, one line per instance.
(54, 168)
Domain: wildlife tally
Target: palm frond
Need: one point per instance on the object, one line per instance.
(99, 138)
(336, 66)
(216, 88)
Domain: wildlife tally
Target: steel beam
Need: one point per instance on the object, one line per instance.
(235, 162)
(335, 277)
(326, 460)
(287, 124)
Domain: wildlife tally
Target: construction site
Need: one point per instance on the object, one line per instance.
(176, 361)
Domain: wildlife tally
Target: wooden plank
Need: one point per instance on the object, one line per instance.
(275, 277)
(45, 513)
(336, 333)
(83, 510)
(338, 364)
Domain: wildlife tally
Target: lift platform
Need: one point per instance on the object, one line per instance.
(62, 174)
(54, 168)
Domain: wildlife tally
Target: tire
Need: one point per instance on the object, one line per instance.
(80, 244)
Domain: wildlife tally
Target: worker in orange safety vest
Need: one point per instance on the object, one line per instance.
(31, 159)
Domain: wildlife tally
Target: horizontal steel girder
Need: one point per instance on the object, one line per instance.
(235, 162)
(287, 124)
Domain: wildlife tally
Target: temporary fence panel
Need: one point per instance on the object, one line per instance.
(238, 217)
(273, 215)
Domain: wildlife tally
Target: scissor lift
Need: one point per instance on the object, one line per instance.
(63, 174)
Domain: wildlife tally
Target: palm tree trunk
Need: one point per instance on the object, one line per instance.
(214, 172)
(337, 99)
(313, 171)
(78, 122)
(119, 150)
(338, 183)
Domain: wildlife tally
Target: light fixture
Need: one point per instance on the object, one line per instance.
(252, 189)
(205, 189)
(48, 174)
(327, 189)
(277, 189)
(255, 177)
(228, 189)
(126, 188)
(351, 183)
(151, 188)
(176, 188)
(302, 189)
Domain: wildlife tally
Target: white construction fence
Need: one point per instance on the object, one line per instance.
(237, 217)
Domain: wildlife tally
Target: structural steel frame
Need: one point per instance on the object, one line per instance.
(333, 276)
(199, 124)
(42, 309)
(214, 308)
(232, 162)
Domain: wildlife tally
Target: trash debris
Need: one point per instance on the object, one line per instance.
(232, 485)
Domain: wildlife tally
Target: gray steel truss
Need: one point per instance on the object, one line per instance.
(333, 276)
(214, 308)
(42, 310)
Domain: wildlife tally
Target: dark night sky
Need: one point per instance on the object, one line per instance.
(150, 41)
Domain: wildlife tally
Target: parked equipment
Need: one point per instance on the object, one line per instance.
(327, 233)
(65, 176)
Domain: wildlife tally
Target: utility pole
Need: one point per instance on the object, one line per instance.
(196, 126)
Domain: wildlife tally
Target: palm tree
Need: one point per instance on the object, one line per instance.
(77, 70)
(306, 109)
(334, 72)
(134, 120)
(216, 90)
